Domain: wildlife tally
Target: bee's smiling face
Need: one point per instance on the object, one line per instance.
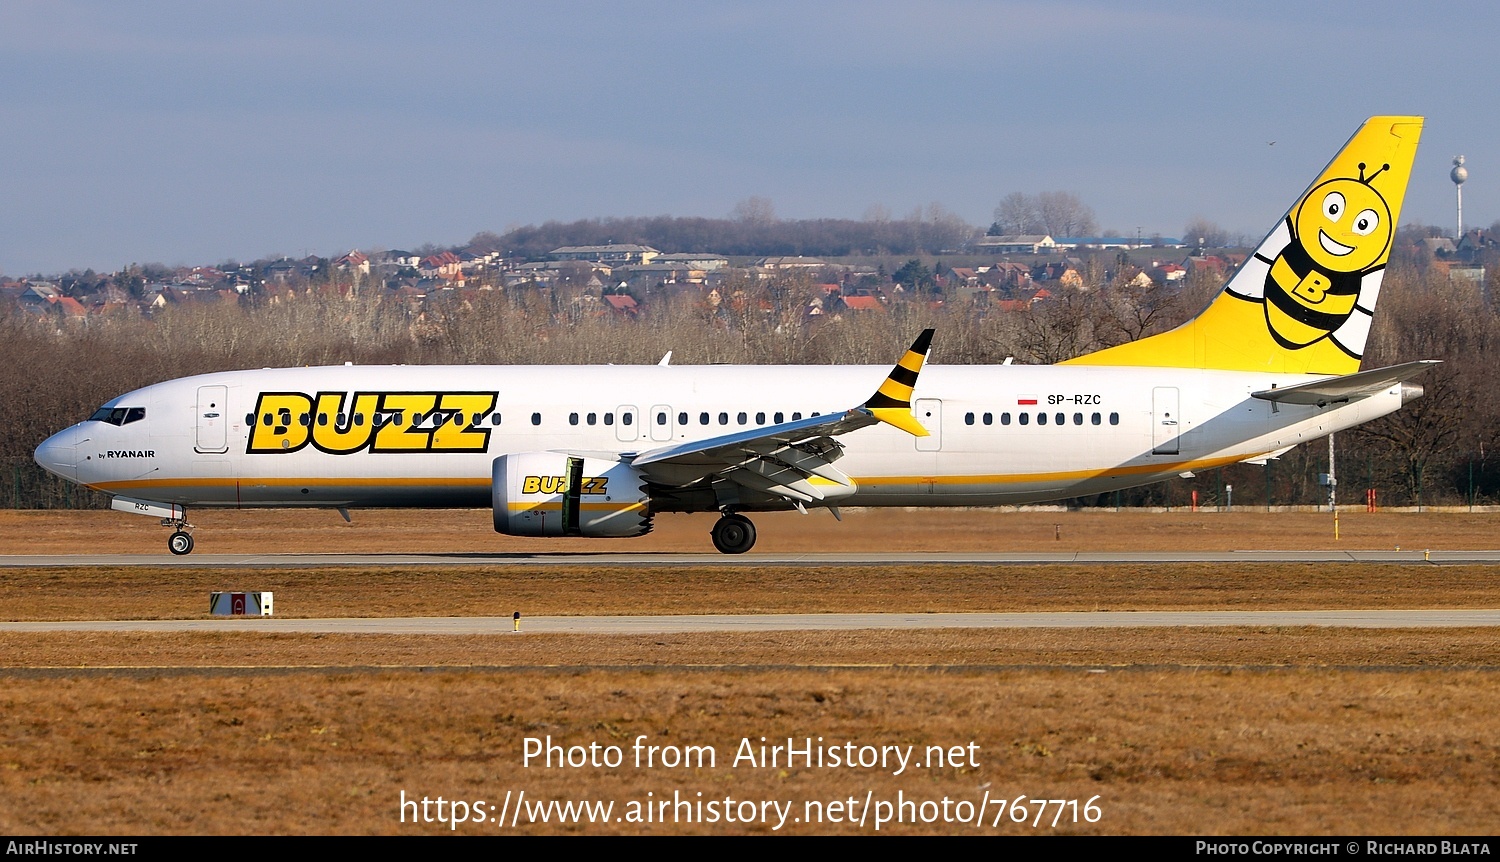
(1345, 225)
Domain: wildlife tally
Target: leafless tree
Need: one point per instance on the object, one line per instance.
(1064, 214)
(1053, 213)
(756, 210)
(1201, 232)
(1017, 215)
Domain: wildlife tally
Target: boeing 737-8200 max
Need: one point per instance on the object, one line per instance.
(600, 451)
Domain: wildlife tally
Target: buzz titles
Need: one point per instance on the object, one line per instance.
(340, 423)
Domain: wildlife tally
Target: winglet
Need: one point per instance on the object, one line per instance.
(891, 403)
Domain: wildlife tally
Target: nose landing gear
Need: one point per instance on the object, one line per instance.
(181, 540)
(734, 534)
(180, 543)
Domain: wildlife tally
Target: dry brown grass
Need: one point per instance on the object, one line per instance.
(1164, 752)
(175, 593)
(1270, 646)
(1185, 731)
(466, 530)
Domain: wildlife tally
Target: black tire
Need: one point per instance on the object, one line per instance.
(734, 534)
(180, 543)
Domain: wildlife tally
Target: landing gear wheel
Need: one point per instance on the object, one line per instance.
(734, 534)
(180, 543)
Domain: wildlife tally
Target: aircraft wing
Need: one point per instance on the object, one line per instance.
(1349, 387)
(781, 459)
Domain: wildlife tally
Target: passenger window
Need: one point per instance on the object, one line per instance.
(494, 418)
(304, 419)
(760, 419)
(778, 417)
(477, 419)
(1114, 419)
(989, 419)
(1041, 419)
(682, 419)
(1004, 418)
(536, 418)
(399, 417)
(359, 419)
(1077, 418)
(593, 418)
(723, 418)
(742, 418)
(968, 418)
(796, 416)
(572, 419)
(609, 419)
(323, 419)
(266, 420)
(249, 418)
(1095, 419)
(661, 418)
(627, 418)
(1060, 418)
(1025, 418)
(702, 418)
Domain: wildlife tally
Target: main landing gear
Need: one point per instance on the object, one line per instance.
(181, 541)
(734, 534)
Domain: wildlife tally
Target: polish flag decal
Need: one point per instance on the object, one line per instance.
(1026, 399)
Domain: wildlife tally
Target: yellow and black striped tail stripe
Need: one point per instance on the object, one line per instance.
(891, 403)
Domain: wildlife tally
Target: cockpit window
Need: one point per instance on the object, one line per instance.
(118, 415)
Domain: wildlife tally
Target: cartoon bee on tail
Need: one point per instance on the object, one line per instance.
(1329, 266)
(1304, 300)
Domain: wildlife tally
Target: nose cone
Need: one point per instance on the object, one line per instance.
(59, 454)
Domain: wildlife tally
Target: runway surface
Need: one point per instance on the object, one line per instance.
(757, 560)
(781, 622)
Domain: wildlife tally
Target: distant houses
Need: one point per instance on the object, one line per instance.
(1017, 244)
(998, 274)
(611, 255)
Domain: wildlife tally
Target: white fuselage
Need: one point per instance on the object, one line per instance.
(998, 434)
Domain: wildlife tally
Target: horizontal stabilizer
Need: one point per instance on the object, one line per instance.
(1349, 387)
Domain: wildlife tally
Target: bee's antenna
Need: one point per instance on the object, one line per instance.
(1366, 179)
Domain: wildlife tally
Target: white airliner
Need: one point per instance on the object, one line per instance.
(600, 451)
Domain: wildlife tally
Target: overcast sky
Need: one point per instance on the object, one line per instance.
(192, 133)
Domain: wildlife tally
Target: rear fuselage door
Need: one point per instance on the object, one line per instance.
(1166, 421)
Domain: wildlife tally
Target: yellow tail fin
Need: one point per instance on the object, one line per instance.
(1303, 302)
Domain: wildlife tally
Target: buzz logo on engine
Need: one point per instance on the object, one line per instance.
(559, 485)
(561, 494)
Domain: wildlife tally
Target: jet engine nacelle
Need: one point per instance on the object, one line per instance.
(555, 494)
